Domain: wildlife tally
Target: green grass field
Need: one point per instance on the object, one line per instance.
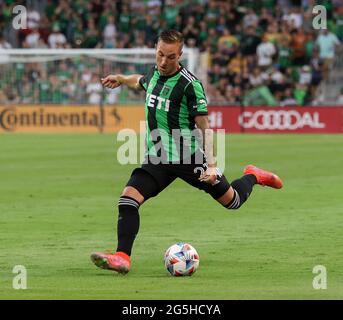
(58, 197)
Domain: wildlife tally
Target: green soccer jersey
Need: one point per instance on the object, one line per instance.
(171, 104)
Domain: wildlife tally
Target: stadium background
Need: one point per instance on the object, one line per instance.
(264, 53)
(265, 69)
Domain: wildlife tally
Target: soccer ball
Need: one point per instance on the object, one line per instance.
(181, 259)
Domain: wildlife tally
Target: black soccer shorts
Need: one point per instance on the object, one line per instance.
(150, 179)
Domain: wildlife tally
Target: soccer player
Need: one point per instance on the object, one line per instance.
(175, 102)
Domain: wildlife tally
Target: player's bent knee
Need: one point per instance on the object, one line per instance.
(133, 193)
(230, 200)
(226, 197)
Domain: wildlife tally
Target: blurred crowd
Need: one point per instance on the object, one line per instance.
(257, 52)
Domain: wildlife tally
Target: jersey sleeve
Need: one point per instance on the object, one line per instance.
(196, 99)
(144, 80)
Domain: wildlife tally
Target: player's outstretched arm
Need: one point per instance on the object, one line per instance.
(113, 81)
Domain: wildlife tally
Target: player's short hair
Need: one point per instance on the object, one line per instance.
(171, 36)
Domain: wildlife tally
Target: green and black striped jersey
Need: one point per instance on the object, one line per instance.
(171, 104)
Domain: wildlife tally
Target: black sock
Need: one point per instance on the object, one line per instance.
(128, 223)
(242, 188)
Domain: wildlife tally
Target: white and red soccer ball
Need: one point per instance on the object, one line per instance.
(181, 259)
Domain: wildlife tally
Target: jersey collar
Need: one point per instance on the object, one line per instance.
(170, 76)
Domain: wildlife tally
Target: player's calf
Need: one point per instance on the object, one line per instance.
(242, 189)
(128, 223)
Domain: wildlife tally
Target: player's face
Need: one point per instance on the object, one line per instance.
(167, 57)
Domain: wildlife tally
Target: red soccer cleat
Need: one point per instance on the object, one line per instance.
(263, 177)
(119, 261)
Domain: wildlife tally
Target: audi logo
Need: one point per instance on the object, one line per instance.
(279, 120)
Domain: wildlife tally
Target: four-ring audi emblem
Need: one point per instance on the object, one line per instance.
(279, 120)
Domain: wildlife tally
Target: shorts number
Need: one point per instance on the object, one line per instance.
(201, 169)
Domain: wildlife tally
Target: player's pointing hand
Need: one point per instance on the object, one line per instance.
(111, 81)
